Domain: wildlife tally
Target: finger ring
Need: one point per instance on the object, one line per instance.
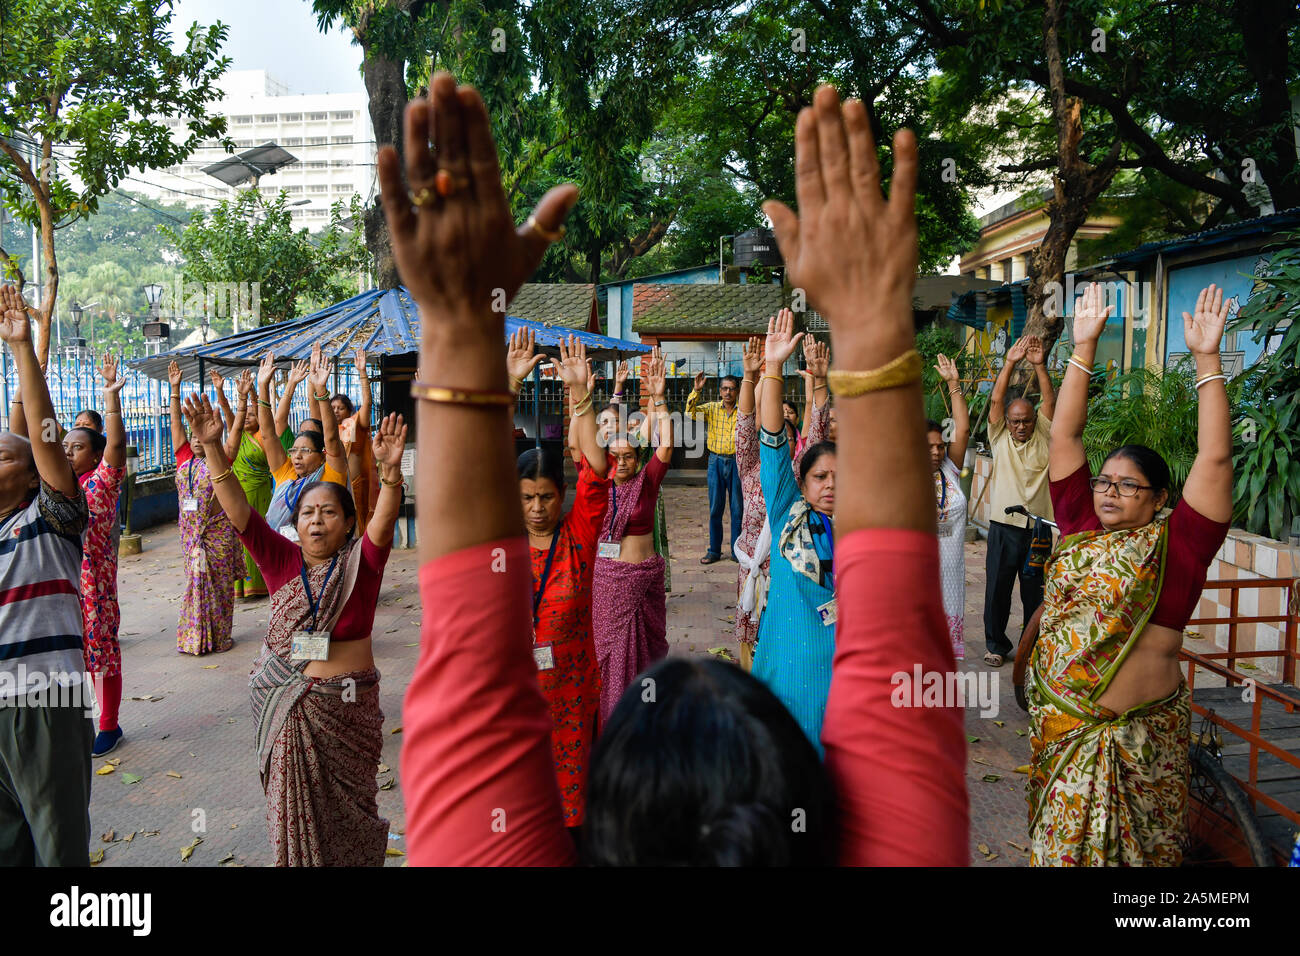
(423, 198)
(536, 227)
(446, 183)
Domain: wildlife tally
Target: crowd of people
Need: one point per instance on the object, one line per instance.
(597, 747)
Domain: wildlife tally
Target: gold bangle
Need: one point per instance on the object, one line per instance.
(217, 479)
(392, 484)
(775, 378)
(583, 406)
(903, 370)
(459, 396)
(516, 384)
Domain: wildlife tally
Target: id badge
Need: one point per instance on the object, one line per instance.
(608, 549)
(290, 532)
(544, 656)
(190, 504)
(827, 613)
(308, 646)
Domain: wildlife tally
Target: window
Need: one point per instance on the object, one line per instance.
(317, 164)
(316, 117)
(315, 140)
(293, 190)
(267, 118)
(291, 118)
(342, 114)
(316, 213)
(343, 187)
(317, 188)
(340, 162)
(293, 141)
(340, 139)
(242, 120)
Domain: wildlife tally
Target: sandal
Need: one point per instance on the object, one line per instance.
(993, 660)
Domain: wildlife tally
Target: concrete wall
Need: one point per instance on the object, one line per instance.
(154, 501)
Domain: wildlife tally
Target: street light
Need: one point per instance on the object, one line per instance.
(153, 294)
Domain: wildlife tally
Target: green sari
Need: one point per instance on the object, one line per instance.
(254, 476)
(661, 523)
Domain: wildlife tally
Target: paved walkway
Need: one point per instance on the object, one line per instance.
(187, 768)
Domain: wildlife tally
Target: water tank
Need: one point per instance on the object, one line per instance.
(756, 247)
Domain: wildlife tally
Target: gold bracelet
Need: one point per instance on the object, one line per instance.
(775, 378)
(459, 396)
(903, 370)
(217, 479)
(583, 406)
(392, 484)
(516, 384)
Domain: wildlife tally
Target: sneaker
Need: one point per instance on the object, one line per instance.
(106, 742)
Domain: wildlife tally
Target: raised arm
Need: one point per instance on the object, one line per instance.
(693, 407)
(318, 385)
(998, 397)
(244, 385)
(205, 427)
(779, 345)
(752, 361)
(38, 411)
(655, 377)
(1037, 356)
(947, 370)
(174, 378)
(1208, 488)
(388, 444)
(1066, 454)
(219, 384)
(817, 362)
(266, 425)
(114, 427)
(573, 370)
(363, 382)
(298, 373)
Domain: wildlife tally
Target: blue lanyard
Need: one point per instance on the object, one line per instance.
(190, 476)
(546, 573)
(943, 490)
(314, 601)
(299, 484)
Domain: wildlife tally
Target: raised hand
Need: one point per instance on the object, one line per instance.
(359, 361)
(174, 375)
(1090, 314)
(520, 357)
(1034, 350)
(266, 371)
(320, 369)
(389, 441)
(621, 373)
(700, 379)
(782, 339)
(947, 369)
(453, 236)
(848, 246)
(108, 371)
(1203, 330)
(205, 423)
(573, 362)
(1018, 352)
(655, 374)
(15, 327)
(244, 384)
(217, 379)
(817, 357)
(298, 373)
(752, 356)
(591, 376)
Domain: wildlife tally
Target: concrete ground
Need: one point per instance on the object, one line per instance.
(187, 768)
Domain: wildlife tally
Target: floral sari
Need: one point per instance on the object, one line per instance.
(1105, 789)
(212, 564)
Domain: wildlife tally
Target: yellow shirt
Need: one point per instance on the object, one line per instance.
(1019, 472)
(721, 424)
(286, 473)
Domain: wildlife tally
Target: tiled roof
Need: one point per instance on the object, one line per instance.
(561, 304)
(704, 308)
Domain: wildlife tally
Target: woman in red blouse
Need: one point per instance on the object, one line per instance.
(563, 552)
(701, 764)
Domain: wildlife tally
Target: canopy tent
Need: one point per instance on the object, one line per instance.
(383, 321)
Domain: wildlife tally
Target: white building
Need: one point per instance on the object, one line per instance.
(329, 134)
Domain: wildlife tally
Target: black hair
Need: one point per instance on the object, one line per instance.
(793, 407)
(347, 402)
(320, 427)
(97, 441)
(730, 378)
(932, 426)
(811, 455)
(541, 463)
(316, 438)
(342, 495)
(701, 765)
(96, 419)
(1150, 462)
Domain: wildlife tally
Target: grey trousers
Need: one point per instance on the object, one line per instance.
(45, 785)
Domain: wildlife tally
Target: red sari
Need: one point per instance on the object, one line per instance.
(562, 637)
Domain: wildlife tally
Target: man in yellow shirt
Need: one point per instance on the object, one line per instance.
(1019, 438)
(724, 478)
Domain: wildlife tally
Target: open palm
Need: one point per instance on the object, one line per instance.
(205, 423)
(390, 440)
(14, 324)
(1203, 330)
(782, 339)
(573, 362)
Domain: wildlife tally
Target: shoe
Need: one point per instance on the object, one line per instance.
(710, 559)
(106, 742)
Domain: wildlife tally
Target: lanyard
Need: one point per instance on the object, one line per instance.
(313, 601)
(827, 529)
(943, 492)
(190, 476)
(298, 484)
(613, 512)
(546, 573)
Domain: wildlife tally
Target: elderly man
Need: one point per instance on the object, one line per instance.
(1018, 435)
(724, 478)
(45, 731)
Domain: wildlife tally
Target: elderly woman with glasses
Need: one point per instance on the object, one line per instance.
(1109, 717)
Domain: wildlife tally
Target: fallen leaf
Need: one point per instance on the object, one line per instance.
(129, 838)
(992, 777)
(130, 778)
(210, 667)
(116, 761)
(1024, 768)
(981, 760)
(234, 826)
(383, 768)
(983, 848)
(972, 740)
(723, 652)
(97, 858)
(396, 730)
(173, 773)
(108, 837)
(149, 833)
(187, 851)
(999, 723)
(143, 697)
(1022, 849)
(226, 859)
(1020, 733)
(104, 770)
(1247, 665)
(391, 851)
(386, 785)
(193, 754)
(412, 645)
(990, 858)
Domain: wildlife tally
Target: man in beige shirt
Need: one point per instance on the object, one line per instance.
(1019, 438)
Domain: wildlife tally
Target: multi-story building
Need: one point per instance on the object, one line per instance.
(329, 134)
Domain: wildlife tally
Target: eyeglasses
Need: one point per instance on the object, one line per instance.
(303, 451)
(1126, 487)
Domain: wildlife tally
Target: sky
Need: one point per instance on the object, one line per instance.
(281, 37)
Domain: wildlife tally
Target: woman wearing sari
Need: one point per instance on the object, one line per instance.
(313, 457)
(950, 501)
(208, 541)
(354, 432)
(314, 687)
(754, 546)
(1109, 717)
(629, 610)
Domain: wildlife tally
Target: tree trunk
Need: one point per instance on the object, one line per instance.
(1264, 28)
(386, 87)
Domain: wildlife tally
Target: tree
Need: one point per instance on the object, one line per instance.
(251, 243)
(85, 85)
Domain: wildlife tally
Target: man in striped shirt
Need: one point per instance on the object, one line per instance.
(45, 729)
(724, 478)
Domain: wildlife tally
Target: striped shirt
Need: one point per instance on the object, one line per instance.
(720, 421)
(40, 602)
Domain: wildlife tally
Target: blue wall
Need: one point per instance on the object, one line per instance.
(1236, 278)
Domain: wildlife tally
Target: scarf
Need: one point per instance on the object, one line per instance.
(285, 498)
(796, 543)
(753, 595)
